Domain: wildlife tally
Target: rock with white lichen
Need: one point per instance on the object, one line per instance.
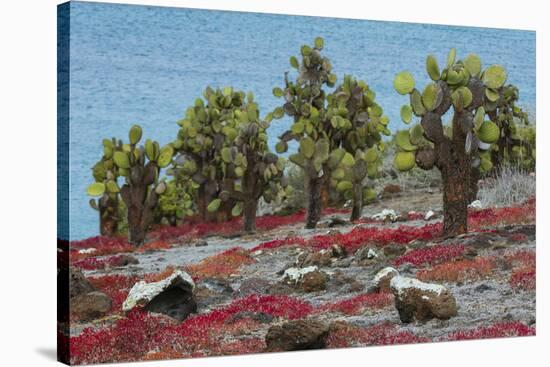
(416, 300)
(172, 296)
(383, 277)
(309, 279)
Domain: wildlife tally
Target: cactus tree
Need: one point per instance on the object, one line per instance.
(140, 165)
(510, 118)
(305, 102)
(458, 150)
(353, 109)
(106, 189)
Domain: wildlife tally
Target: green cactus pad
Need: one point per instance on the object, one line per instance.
(488, 132)
(404, 161)
(344, 186)
(165, 156)
(416, 103)
(122, 160)
(403, 141)
(371, 155)
(297, 159)
(237, 210)
(466, 95)
(96, 189)
(214, 205)
(281, 147)
(348, 160)
(112, 187)
(369, 195)
(432, 96)
(472, 63)
(307, 147)
(478, 118)
(494, 76)
(338, 173)
(294, 62)
(416, 134)
(451, 58)
(297, 128)
(404, 83)
(406, 113)
(432, 68)
(492, 95)
(319, 43)
(135, 134)
(278, 92)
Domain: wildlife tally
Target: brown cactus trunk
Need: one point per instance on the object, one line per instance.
(357, 202)
(314, 203)
(249, 215)
(108, 217)
(456, 173)
(202, 203)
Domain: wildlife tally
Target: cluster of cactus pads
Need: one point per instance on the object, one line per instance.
(339, 134)
(481, 103)
(222, 146)
(140, 166)
(221, 166)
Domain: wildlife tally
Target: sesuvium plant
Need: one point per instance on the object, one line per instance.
(305, 102)
(105, 189)
(223, 148)
(461, 151)
(140, 166)
(360, 123)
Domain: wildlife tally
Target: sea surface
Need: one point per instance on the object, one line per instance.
(145, 65)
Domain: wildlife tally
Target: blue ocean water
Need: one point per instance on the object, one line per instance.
(146, 65)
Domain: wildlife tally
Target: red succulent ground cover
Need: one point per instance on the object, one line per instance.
(133, 337)
(524, 278)
(356, 305)
(93, 263)
(523, 213)
(431, 255)
(498, 330)
(455, 271)
(384, 333)
(221, 265)
(116, 287)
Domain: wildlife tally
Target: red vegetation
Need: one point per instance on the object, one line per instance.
(431, 255)
(116, 287)
(385, 333)
(273, 244)
(153, 246)
(140, 333)
(523, 258)
(524, 278)
(524, 213)
(102, 245)
(93, 263)
(455, 271)
(498, 330)
(221, 265)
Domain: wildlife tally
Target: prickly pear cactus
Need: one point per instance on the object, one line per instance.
(305, 101)
(140, 166)
(352, 108)
(515, 144)
(462, 150)
(233, 164)
(105, 188)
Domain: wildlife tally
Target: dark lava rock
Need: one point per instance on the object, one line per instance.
(336, 222)
(90, 306)
(78, 284)
(177, 302)
(394, 250)
(254, 286)
(201, 243)
(482, 288)
(126, 260)
(296, 335)
(313, 282)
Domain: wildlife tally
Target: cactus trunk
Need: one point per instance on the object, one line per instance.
(108, 218)
(456, 172)
(313, 188)
(357, 199)
(249, 214)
